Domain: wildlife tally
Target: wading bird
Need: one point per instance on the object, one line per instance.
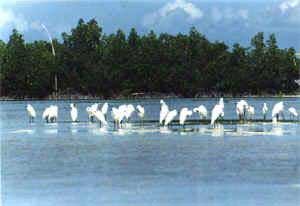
(164, 110)
(241, 109)
(170, 117)
(100, 116)
(128, 111)
(90, 110)
(118, 115)
(184, 113)
(277, 111)
(202, 111)
(265, 110)
(217, 112)
(104, 109)
(50, 114)
(73, 112)
(31, 112)
(293, 112)
(141, 112)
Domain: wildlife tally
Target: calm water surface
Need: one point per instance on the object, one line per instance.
(80, 164)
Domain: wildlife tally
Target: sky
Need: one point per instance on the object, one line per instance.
(230, 21)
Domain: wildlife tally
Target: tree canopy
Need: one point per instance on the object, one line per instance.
(89, 62)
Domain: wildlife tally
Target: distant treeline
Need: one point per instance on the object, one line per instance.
(89, 62)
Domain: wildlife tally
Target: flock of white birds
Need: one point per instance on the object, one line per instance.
(124, 112)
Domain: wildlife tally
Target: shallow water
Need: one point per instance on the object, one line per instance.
(80, 164)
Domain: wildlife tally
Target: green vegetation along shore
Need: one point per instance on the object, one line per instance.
(89, 63)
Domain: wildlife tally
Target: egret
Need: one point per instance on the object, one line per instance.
(202, 111)
(122, 112)
(241, 108)
(104, 109)
(114, 115)
(46, 113)
(170, 117)
(164, 110)
(276, 111)
(73, 112)
(31, 112)
(184, 113)
(217, 112)
(251, 111)
(265, 110)
(118, 114)
(53, 113)
(101, 117)
(90, 110)
(293, 112)
(140, 112)
(128, 111)
(50, 113)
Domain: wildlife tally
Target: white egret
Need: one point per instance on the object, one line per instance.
(53, 113)
(122, 112)
(293, 112)
(217, 112)
(100, 116)
(114, 115)
(140, 112)
(46, 113)
(50, 114)
(202, 111)
(277, 111)
(164, 110)
(184, 113)
(118, 114)
(104, 109)
(73, 112)
(31, 112)
(265, 110)
(170, 117)
(241, 108)
(128, 111)
(92, 109)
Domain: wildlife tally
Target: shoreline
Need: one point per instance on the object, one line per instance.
(163, 96)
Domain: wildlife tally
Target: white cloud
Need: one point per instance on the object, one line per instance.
(286, 5)
(228, 13)
(9, 18)
(189, 8)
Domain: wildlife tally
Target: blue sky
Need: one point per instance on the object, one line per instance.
(224, 20)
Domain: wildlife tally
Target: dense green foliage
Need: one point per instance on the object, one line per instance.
(89, 62)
